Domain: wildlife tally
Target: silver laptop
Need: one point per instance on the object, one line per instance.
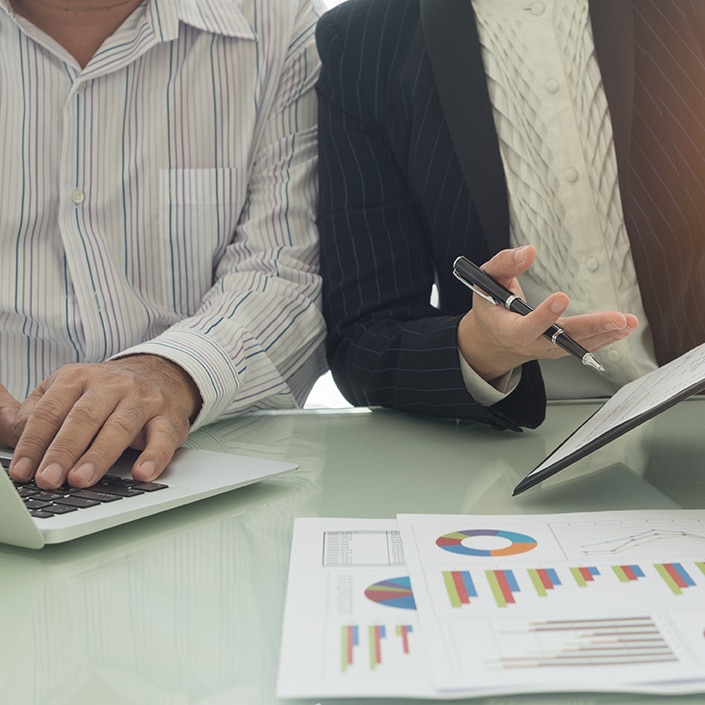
(32, 518)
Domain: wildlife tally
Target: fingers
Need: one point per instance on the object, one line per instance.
(159, 450)
(543, 317)
(78, 423)
(595, 331)
(9, 425)
(494, 340)
(509, 264)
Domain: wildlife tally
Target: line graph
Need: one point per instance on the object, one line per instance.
(623, 544)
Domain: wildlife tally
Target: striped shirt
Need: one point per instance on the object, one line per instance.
(162, 200)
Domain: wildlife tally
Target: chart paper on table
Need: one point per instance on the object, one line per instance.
(350, 623)
(611, 601)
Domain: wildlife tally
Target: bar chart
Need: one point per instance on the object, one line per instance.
(582, 643)
(371, 647)
(507, 588)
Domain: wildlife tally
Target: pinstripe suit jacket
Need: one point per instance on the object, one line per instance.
(411, 177)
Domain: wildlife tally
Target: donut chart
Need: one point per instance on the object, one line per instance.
(457, 542)
(395, 592)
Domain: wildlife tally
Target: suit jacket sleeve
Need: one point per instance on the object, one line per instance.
(383, 242)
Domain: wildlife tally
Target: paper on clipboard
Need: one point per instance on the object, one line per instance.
(633, 404)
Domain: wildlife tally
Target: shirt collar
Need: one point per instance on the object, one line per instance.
(223, 17)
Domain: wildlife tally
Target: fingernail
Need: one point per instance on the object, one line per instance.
(559, 305)
(520, 254)
(53, 474)
(85, 473)
(23, 469)
(149, 469)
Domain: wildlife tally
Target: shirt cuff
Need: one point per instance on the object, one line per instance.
(488, 393)
(209, 366)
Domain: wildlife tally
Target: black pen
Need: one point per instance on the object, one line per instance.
(491, 290)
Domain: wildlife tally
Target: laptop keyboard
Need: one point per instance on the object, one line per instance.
(44, 504)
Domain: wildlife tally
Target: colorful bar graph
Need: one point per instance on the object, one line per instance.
(376, 634)
(628, 573)
(503, 585)
(543, 580)
(675, 576)
(403, 631)
(459, 586)
(584, 575)
(350, 638)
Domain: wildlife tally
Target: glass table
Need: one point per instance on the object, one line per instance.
(185, 608)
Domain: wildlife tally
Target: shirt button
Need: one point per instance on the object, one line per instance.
(537, 8)
(552, 85)
(571, 175)
(613, 355)
(80, 87)
(593, 264)
(78, 197)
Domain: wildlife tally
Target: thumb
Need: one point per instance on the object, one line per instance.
(509, 264)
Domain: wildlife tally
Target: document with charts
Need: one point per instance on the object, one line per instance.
(489, 605)
(350, 623)
(611, 601)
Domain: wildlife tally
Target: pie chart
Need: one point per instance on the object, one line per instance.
(395, 592)
(509, 543)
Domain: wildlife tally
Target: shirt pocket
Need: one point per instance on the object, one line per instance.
(199, 210)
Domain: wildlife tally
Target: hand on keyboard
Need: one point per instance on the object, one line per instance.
(76, 424)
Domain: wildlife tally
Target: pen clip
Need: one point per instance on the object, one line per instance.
(475, 289)
(483, 294)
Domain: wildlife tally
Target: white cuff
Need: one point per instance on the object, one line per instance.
(488, 393)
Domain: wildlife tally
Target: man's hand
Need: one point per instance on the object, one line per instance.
(495, 340)
(78, 421)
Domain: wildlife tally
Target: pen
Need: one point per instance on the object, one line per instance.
(491, 290)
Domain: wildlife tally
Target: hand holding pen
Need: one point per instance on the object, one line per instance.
(494, 341)
(491, 290)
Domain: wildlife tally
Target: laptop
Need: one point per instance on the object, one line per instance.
(32, 518)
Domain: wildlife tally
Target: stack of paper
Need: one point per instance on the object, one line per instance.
(445, 606)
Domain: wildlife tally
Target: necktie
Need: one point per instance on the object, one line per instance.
(660, 145)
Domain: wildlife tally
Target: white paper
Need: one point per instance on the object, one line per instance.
(348, 577)
(619, 596)
(611, 601)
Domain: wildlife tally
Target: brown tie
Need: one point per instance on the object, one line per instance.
(660, 146)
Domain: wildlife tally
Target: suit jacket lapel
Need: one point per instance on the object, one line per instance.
(613, 33)
(450, 31)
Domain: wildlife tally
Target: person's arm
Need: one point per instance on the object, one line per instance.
(387, 345)
(386, 182)
(255, 341)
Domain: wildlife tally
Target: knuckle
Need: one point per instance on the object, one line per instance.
(101, 456)
(32, 447)
(82, 414)
(126, 424)
(63, 450)
(48, 410)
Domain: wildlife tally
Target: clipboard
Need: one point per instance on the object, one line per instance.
(634, 403)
